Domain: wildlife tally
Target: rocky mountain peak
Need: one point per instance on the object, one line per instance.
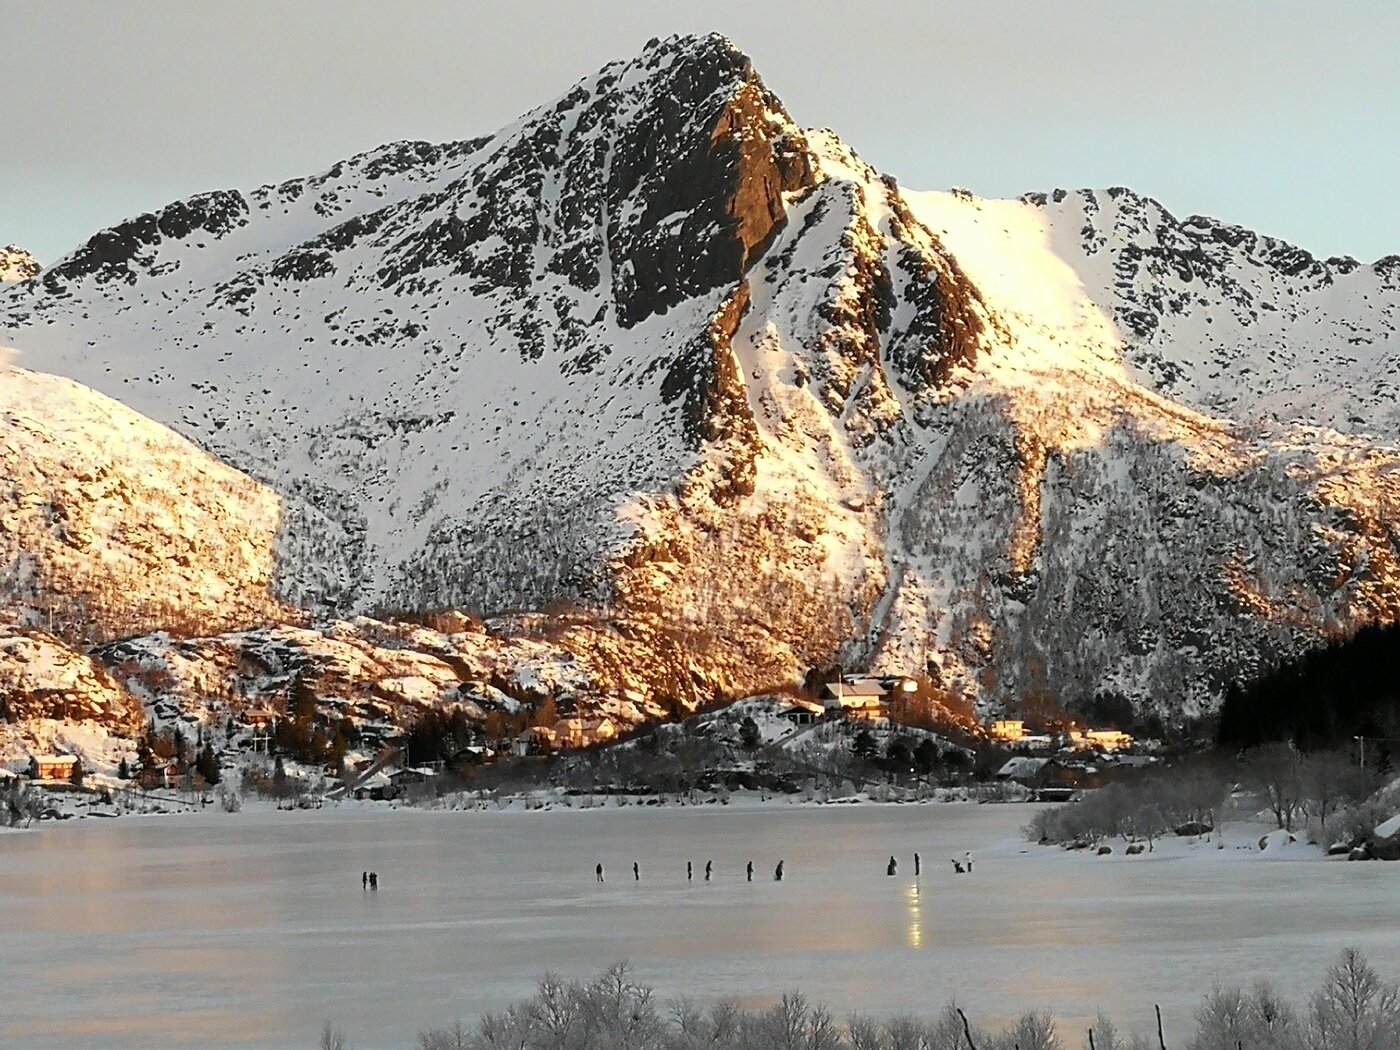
(655, 350)
(16, 264)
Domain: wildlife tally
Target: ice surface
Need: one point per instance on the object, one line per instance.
(251, 930)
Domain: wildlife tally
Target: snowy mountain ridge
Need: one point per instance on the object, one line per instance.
(658, 352)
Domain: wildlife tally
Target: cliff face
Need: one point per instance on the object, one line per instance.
(16, 264)
(728, 404)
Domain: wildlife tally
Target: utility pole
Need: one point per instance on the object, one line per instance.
(1361, 751)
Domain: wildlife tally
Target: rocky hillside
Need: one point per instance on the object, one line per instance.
(112, 524)
(657, 353)
(16, 264)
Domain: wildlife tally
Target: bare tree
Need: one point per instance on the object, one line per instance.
(1356, 1009)
(1330, 780)
(1276, 771)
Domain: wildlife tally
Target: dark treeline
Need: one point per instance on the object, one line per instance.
(1323, 699)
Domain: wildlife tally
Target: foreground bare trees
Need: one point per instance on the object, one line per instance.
(1354, 1009)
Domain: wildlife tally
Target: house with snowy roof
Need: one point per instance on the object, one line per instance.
(1041, 773)
(52, 767)
(161, 774)
(866, 699)
(375, 788)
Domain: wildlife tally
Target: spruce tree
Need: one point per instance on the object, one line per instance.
(208, 765)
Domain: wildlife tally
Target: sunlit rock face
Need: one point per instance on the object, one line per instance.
(658, 358)
(16, 264)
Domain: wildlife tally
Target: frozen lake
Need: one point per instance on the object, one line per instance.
(251, 930)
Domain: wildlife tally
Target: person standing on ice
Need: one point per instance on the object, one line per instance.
(749, 871)
(636, 872)
(599, 871)
(364, 880)
(778, 872)
(709, 869)
(916, 865)
(967, 858)
(689, 871)
(892, 867)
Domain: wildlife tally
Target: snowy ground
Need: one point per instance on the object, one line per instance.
(251, 929)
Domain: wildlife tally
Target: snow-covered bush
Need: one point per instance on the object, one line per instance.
(19, 805)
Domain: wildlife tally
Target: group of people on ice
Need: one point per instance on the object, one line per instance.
(960, 867)
(690, 871)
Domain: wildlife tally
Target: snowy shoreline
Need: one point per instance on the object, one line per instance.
(1236, 839)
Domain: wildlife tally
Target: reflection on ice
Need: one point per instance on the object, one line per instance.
(915, 938)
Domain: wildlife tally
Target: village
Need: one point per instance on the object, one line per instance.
(858, 732)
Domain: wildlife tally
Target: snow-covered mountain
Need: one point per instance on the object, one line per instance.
(658, 352)
(111, 523)
(16, 264)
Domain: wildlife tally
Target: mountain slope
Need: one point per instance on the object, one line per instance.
(110, 523)
(658, 350)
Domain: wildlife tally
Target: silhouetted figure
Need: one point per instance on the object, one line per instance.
(749, 871)
(364, 880)
(709, 869)
(374, 880)
(967, 857)
(957, 868)
(916, 865)
(599, 870)
(892, 867)
(778, 872)
(689, 871)
(636, 872)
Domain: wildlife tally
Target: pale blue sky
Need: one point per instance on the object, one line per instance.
(1275, 114)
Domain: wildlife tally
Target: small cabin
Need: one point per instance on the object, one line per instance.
(402, 778)
(376, 788)
(1040, 773)
(53, 767)
(535, 740)
(570, 731)
(160, 775)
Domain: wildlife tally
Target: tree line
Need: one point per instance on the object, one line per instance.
(1323, 699)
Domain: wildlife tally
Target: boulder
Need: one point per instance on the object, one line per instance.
(1134, 848)
(1276, 838)
(1339, 849)
(1359, 853)
(1193, 828)
(1384, 841)
(1104, 851)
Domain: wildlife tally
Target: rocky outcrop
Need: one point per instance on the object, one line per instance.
(44, 679)
(16, 264)
(111, 524)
